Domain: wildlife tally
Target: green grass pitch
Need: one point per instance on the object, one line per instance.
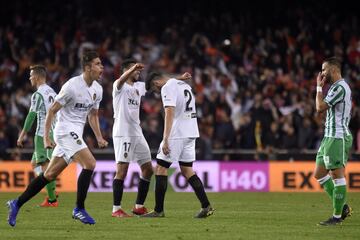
(238, 216)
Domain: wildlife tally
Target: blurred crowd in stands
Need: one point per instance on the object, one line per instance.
(254, 73)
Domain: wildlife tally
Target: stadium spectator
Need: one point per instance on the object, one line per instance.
(233, 58)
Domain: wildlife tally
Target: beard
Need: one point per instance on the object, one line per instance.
(328, 78)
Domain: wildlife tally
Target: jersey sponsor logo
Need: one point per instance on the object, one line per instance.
(125, 155)
(133, 102)
(83, 106)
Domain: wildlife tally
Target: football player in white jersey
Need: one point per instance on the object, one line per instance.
(78, 100)
(129, 142)
(178, 144)
(334, 150)
(41, 101)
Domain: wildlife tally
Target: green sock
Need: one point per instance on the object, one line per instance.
(339, 199)
(329, 187)
(50, 188)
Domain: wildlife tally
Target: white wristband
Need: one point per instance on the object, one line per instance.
(318, 89)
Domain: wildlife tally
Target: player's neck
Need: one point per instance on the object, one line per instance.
(39, 84)
(88, 79)
(336, 79)
(130, 82)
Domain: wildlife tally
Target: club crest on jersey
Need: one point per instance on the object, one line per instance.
(94, 96)
(78, 141)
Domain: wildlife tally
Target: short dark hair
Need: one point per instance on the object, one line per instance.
(152, 76)
(333, 61)
(39, 70)
(87, 57)
(126, 64)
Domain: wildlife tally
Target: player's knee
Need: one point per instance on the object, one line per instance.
(319, 174)
(147, 172)
(50, 175)
(120, 175)
(162, 167)
(90, 165)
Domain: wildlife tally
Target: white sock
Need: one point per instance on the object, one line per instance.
(337, 216)
(138, 206)
(115, 208)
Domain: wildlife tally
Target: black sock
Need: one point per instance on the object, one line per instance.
(118, 186)
(142, 191)
(160, 189)
(199, 190)
(83, 187)
(32, 189)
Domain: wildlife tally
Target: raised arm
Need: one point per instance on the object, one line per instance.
(184, 77)
(95, 126)
(124, 77)
(321, 105)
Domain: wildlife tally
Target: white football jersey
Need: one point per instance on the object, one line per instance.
(77, 99)
(126, 105)
(179, 94)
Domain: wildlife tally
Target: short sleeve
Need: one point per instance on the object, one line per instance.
(168, 95)
(335, 95)
(98, 98)
(141, 88)
(35, 102)
(65, 95)
(116, 91)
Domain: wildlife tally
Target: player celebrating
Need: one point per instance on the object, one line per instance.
(180, 133)
(78, 100)
(334, 149)
(41, 101)
(129, 141)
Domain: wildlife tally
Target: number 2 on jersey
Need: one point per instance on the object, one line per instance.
(187, 94)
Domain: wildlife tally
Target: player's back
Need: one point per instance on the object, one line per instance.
(42, 99)
(339, 114)
(179, 94)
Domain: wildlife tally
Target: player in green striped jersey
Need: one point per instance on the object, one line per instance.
(333, 153)
(41, 101)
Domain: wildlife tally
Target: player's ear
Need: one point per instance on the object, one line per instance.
(87, 68)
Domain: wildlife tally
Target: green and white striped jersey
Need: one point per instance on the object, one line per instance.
(339, 112)
(41, 101)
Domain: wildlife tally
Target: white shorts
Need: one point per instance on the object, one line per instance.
(182, 150)
(131, 149)
(67, 145)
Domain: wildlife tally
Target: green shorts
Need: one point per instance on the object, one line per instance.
(334, 152)
(40, 154)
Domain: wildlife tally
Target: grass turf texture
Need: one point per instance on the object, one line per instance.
(237, 216)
